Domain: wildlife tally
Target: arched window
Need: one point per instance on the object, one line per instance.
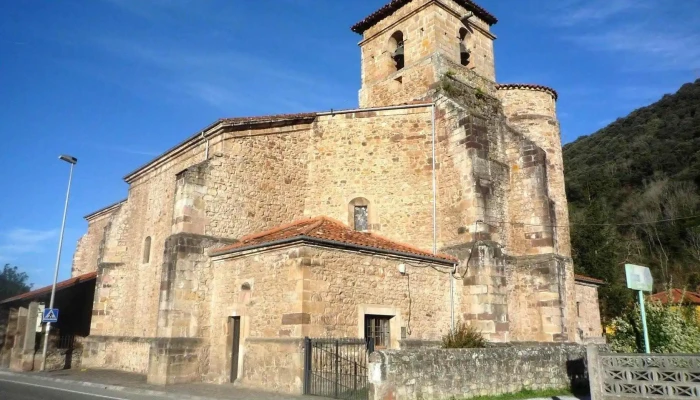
(147, 250)
(396, 49)
(359, 214)
(463, 50)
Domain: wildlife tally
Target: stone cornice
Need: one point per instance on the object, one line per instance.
(104, 210)
(528, 86)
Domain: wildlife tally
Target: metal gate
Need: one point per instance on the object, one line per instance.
(336, 367)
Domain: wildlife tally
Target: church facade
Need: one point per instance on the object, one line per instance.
(440, 199)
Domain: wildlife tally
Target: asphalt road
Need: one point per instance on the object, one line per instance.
(22, 388)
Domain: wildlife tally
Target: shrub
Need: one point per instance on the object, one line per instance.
(462, 337)
(670, 330)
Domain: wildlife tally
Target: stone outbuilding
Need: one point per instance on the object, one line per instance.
(440, 199)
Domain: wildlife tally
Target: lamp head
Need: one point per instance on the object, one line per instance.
(68, 159)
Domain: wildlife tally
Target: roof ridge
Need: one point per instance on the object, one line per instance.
(314, 226)
(276, 229)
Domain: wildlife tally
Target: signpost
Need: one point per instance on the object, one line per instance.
(50, 315)
(639, 278)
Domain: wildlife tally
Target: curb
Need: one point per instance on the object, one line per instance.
(116, 388)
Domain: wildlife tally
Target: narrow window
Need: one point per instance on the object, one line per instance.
(397, 49)
(578, 309)
(377, 330)
(463, 50)
(361, 218)
(147, 250)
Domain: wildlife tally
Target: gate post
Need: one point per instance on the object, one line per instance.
(595, 372)
(307, 365)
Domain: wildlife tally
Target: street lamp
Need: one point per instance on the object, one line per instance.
(72, 161)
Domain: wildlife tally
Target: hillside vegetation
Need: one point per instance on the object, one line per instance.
(635, 172)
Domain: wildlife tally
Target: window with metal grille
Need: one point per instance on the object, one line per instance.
(377, 330)
(360, 218)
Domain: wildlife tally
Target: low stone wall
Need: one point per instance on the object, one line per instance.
(274, 364)
(58, 359)
(429, 373)
(177, 360)
(117, 352)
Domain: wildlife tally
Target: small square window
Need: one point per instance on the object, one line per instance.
(360, 218)
(377, 330)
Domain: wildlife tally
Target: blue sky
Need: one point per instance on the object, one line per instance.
(116, 82)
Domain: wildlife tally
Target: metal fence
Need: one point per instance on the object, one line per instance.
(643, 376)
(336, 367)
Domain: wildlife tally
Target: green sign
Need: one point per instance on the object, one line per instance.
(638, 277)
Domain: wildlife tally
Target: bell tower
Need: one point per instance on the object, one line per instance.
(407, 43)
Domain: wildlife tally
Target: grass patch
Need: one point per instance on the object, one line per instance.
(525, 394)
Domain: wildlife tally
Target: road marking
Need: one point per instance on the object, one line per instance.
(65, 390)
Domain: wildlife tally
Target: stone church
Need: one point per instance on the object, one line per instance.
(440, 199)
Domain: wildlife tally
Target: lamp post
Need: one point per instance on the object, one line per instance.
(72, 161)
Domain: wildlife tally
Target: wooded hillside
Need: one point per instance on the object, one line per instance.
(633, 197)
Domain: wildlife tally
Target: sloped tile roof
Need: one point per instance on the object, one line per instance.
(676, 296)
(588, 279)
(530, 86)
(46, 290)
(394, 5)
(328, 231)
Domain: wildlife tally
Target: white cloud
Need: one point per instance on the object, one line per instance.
(22, 241)
(652, 47)
(590, 12)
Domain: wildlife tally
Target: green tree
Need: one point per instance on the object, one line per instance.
(671, 330)
(13, 282)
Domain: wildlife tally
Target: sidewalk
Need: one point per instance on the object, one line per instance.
(128, 382)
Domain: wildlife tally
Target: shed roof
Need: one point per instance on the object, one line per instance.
(588, 279)
(327, 231)
(68, 283)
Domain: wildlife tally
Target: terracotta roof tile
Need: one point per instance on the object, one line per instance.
(47, 289)
(324, 229)
(531, 86)
(394, 5)
(588, 279)
(676, 295)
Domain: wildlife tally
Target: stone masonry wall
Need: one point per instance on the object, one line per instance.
(533, 113)
(383, 156)
(428, 374)
(304, 290)
(340, 287)
(264, 291)
(124, 353)
(258, 182)
(88, 251)
(588, 312)
(537, 299)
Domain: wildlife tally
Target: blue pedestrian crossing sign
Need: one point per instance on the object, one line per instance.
(50, 315)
